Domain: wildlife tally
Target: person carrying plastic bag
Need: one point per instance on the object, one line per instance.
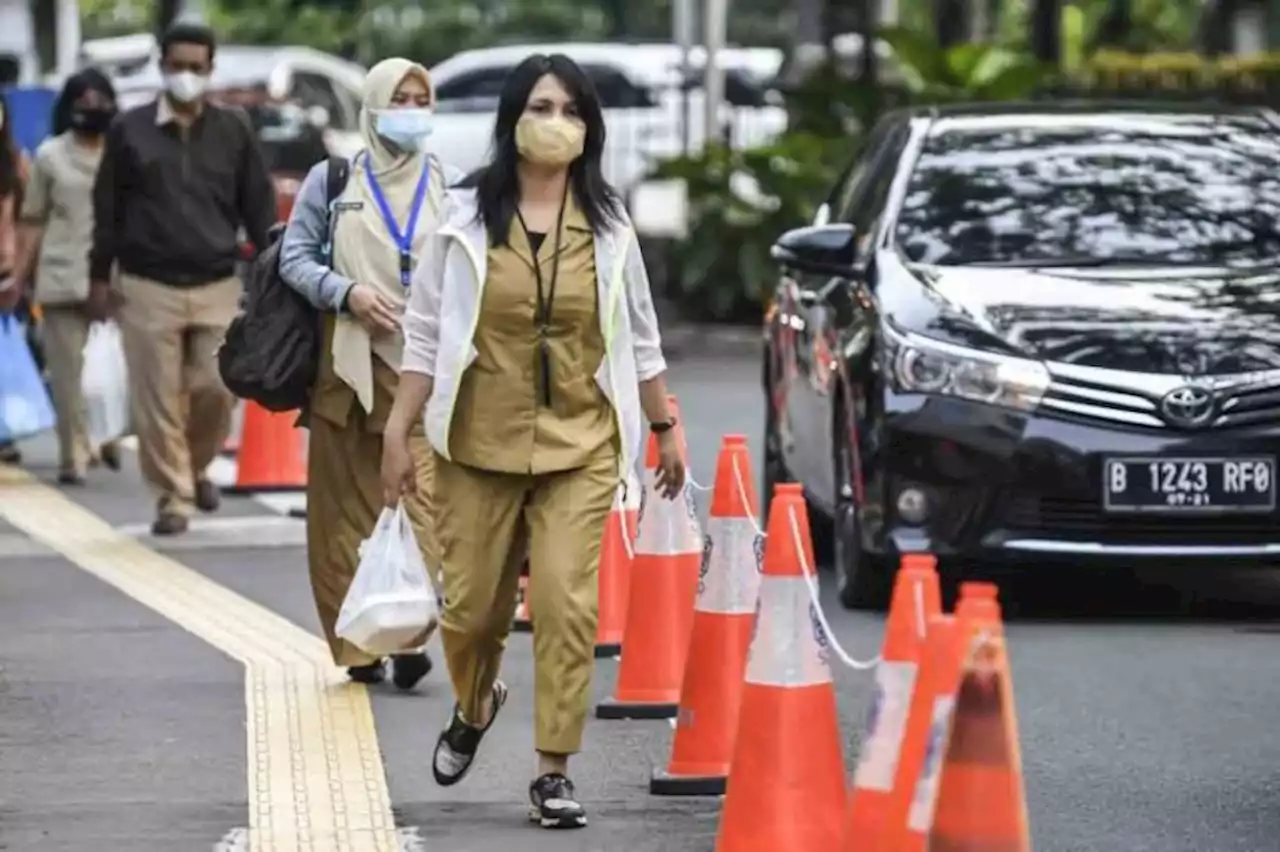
(391, 601)
(25, 407)
(54, 231)
(105, 386)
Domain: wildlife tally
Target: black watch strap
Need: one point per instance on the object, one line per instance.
(659, 428)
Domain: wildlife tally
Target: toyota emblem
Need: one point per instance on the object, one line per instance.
(1189, 407)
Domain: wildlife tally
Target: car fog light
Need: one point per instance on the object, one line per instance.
(913, 506)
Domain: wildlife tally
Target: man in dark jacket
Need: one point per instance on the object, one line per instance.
(179, 178)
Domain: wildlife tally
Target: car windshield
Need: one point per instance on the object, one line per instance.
(1195, 190)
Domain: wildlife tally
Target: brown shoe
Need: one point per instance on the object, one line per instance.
(170, 523)
(109, 455)
(207, 498)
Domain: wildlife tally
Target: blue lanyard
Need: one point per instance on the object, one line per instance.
(404, 241)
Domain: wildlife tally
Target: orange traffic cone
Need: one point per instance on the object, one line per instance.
(522, 623)
(916, 597)
(786, 789)
(939, 677)
(272, 454)
(668, 553)
(617, 550)
(971, 793)
(723, 619)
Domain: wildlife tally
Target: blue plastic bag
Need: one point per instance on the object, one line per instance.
(25, 406)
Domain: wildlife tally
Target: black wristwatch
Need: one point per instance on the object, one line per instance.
(659, 428)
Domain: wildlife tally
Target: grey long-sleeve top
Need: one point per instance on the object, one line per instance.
(304, 260)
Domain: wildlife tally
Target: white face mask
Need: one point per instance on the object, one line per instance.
(404, 128)
(185, 86)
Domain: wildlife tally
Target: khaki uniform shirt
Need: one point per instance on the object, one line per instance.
(59, 196)
(501, 422)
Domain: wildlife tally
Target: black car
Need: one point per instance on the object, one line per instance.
(1036, 334)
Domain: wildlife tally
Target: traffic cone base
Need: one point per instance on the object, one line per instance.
(662, 784)
(608, 651)
(611, 709)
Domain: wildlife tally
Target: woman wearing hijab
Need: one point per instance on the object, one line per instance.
(353, 262)
(532, 341)
(55, 229)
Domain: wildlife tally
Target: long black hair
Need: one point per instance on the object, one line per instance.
(89, 79)
(498, 191)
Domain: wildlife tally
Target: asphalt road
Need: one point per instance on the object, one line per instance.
(1146, 708)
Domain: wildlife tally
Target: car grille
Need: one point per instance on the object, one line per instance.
(1134, 400)
(1084, 518)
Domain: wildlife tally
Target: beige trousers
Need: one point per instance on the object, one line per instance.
(485, 524)
(65, 332)
(181, 410)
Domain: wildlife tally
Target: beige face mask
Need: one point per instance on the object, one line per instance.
(549, 141)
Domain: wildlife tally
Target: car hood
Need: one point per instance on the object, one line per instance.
(1190, 321)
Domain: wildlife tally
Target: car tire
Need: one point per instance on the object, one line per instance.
(863, 581)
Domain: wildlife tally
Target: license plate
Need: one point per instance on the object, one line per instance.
(1143, 484)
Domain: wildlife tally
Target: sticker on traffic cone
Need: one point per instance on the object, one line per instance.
(668, 556)
(617, 551)
(786, 789)
(272, 454)
(915, 598)
(971, 793)
(522, 623)
(723, 618)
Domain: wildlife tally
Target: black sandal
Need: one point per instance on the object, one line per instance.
(456, 748)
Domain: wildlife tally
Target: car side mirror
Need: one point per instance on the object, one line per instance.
(829, 249)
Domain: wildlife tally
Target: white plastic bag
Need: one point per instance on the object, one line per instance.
(105, 384)
(391, 600)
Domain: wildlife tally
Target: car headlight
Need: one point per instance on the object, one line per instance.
(919, 365)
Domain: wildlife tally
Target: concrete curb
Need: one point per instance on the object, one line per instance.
(687, 340)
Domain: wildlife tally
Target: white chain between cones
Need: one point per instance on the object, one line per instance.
(811, 581)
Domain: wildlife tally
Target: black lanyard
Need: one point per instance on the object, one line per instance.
(542, 313)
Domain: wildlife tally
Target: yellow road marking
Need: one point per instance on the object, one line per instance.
(316, 781)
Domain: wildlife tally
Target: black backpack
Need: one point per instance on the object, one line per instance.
(271, 352)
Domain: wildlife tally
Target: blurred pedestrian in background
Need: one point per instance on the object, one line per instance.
(178, 178)
(54, 233)
(353, 262)
(15, 297)
(531, 338)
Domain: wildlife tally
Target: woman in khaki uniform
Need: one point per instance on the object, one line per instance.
(531, 337)
(55, 230)
(376, 229)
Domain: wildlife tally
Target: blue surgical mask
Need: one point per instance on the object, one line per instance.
(405, 129)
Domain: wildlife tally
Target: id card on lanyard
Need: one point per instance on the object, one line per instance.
(403, 239)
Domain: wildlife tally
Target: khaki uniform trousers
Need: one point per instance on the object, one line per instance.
(65, 332)
(181, 410)
(486, 523)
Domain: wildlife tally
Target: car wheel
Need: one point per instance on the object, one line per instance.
(862, 580)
